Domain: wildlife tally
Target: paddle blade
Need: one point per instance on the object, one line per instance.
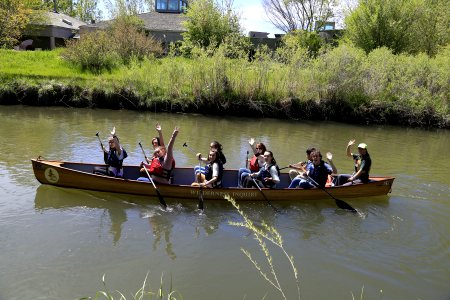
(344, 205)
(161, 199)
(200, 199)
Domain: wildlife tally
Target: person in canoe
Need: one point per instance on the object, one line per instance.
(363, 162)
(113, 157)
(300, 167)
(212, 177)
(162, 163)
(268, 176)
(216, 147)
(256, 162)
(318, 170)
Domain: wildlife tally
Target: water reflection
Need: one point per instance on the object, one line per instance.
(49, 197)
(161, 228)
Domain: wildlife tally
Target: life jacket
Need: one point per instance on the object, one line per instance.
(155, 168)
(111, 159)
(209, 173)
(266, 173)
(329, 181)
(254, 164)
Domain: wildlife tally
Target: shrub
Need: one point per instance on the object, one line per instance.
(129, 39)
(93, 52)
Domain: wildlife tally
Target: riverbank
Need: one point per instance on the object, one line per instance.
(343, 85)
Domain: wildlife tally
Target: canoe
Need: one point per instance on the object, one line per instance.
(80, 176)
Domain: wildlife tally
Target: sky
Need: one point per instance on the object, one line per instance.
(253, 16)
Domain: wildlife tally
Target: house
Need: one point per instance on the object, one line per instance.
(53, 31)
(165, 23)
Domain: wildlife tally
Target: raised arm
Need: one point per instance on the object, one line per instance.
(330, 161)
(349, 146)
(159, 129)
(251, 141)
(169, 154)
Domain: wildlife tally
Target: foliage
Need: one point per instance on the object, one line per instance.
(402, 26)
(85, 10)
(298, 14)
(141, 294)
(342, 84)
(299, 41)
(103, 50)
(208, 26)
(15, 15)
(264, 233)
(93, 52)
(129, 39)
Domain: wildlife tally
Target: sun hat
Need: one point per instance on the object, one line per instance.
(362, 146)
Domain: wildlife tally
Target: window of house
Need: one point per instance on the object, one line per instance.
(171, 5)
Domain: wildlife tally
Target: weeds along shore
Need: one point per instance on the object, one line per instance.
(343, 84)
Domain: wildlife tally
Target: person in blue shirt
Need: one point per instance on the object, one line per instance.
(318, 170)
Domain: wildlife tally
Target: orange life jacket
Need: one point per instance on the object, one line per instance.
(254, 164)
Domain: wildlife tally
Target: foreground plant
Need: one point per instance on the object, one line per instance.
(140, 294)
(264, 233)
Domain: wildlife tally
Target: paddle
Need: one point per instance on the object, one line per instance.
(101, 144)
(340, 203)
(263, 193)
(246, 161)
(200, 194)
(161, 199)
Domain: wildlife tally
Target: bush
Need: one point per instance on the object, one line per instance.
(130, 40)
(93, 52)
(124, 41)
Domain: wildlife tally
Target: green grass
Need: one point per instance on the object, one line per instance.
(343, 84)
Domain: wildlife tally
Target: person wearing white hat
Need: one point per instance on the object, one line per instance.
(363, 162)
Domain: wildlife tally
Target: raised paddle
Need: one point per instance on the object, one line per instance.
(340, 203)
(200, 194)
(263, 193)
(246, 161)
(161, 199)
(101, 144)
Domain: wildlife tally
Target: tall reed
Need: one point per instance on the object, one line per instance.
(265, 233)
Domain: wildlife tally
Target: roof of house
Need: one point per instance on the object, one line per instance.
(62, 20)
(155, 21)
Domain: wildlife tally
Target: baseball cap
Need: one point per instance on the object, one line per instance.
(362, 146)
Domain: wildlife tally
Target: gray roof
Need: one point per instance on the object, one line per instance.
(154, 21)
(163, 21)
(62, 20)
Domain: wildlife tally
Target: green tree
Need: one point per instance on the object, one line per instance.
(209, 25)
(15, 15)
(403, 26)
(85, 10)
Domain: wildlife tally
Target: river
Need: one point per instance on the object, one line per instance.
(57, 243)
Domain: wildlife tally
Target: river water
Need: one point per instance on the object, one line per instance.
(57, 243)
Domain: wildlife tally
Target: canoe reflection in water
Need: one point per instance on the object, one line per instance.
(49, 197)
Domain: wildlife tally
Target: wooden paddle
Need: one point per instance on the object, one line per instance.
(274, 208)
(200, 194)
(340, 203)
(160, 197)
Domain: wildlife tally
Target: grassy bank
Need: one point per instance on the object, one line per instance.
(343, 84)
